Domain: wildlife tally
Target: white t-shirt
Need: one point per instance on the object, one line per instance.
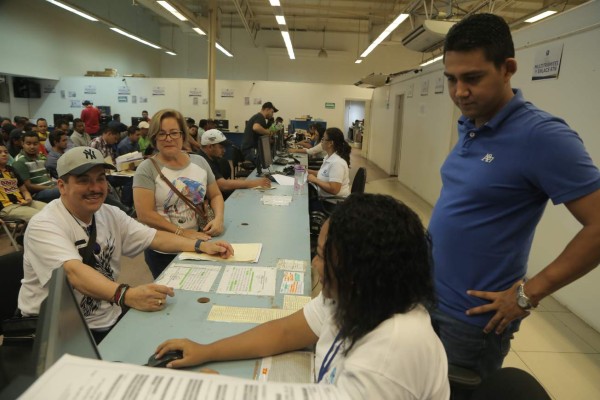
(54, 236)
(335, 169)
(400, 359)
(191, 180)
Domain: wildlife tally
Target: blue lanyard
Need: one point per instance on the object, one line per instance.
(327, 360)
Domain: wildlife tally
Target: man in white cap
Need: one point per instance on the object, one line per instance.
(213, 145)
(87, 238)
(143, 141)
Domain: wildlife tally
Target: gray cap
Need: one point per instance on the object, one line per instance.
(213, 136)
(79, 160)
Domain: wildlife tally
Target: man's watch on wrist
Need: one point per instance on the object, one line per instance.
(197, 245)
(522, 300)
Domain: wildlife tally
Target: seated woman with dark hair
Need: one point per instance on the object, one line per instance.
(370, 325)
(333, 177)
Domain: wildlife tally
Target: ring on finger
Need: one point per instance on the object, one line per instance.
(159, 301)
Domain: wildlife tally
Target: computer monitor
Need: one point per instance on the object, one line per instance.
(104, 110)
(222, 124)
(62, 117)
(135, 121)
(61, 327)
(265, 157)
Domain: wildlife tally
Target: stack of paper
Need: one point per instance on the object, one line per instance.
(276, 200)
(242, 252)
(129, 161)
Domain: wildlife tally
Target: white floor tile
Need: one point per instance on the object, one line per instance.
(513, 360)
(566, 376)
(550, 304)
(542, 331)
(580, 328)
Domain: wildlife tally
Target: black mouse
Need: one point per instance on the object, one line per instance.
(165, 359)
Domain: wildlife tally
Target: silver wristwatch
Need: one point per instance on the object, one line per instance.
(522, 299)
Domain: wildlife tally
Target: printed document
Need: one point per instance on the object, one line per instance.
(257, 281)
(78, 378)
(242, 252)
(198, 278)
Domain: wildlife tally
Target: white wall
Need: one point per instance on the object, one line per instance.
(292, 99)
(430, 126)
(44, 41)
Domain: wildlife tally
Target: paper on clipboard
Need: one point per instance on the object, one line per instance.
(242, 252)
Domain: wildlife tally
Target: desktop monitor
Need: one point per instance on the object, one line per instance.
(265, 157)
(61, 327)
(222, 124)
(62, 117)
(104, 110)
(135, 121)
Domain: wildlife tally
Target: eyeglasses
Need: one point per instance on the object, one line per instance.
(326, 140)
(162, 135)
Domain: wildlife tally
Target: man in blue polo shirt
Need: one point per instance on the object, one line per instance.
(510, 159)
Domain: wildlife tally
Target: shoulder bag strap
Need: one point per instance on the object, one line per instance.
(187, 201)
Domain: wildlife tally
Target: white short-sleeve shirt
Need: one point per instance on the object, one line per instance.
(335, 169)
(400, 359)
(54, 236)
(191, 180)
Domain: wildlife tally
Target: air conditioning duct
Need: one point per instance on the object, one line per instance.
(428, 36)
(373, 81)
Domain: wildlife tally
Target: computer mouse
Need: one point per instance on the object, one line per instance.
(165, 359)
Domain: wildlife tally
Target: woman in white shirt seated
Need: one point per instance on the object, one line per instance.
(333, 178)
(372, 332)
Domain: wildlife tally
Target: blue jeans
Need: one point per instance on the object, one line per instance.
(157, 262)
(47, 195)
(469, 347)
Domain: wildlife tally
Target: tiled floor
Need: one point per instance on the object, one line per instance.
(554, 345)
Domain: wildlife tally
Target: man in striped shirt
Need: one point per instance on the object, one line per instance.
(30, 167)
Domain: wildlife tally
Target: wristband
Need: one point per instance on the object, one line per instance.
(122, 304)
(118, 293)
(197, 245)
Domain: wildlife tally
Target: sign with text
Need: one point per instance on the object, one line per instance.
(547, 60)
(330, 105)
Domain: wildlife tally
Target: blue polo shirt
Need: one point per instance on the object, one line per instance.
(495, 186)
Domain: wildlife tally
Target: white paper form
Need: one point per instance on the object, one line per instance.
(295, 303)
(292, 283)
(75, 378)
(249, 315)
(242, 252)
(284, 180)
(258, 281)
(295, 366)
(199, 278)
(276, 200)
(291, 265)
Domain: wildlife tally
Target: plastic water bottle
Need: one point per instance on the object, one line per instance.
(299, 178)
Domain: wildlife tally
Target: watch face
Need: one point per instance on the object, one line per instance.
(523, 303)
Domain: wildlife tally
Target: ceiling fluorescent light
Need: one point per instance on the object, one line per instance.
(199, 31)
(171, 53)
(358, 61)
(172, 10)
(280, 19)
(431, 61)
(129, 35)
(73, 10)
(288, 44)
(540, 16)
(275, 3)
(385, 34)
(223, 50)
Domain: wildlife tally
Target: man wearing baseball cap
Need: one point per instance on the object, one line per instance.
(213, 144)
(256, 126)
(87, 238)
(143, 141)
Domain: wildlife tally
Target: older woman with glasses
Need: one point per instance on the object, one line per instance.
(158, 205)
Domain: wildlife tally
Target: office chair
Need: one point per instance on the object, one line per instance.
(12, 273)
(241, 167)
(358, 186)
(510, 383)
(14, 228)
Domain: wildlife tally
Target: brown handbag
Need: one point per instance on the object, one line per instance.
(203, 211)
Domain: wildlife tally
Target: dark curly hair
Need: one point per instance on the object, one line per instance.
(378, 253)
(340, 146)
(488, 32)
